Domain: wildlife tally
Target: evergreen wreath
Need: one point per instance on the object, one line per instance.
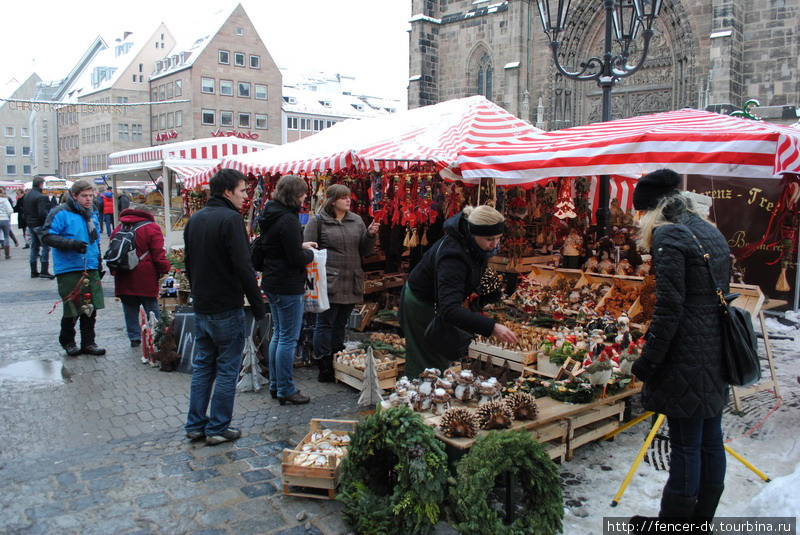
(494, 453)
(394, 477)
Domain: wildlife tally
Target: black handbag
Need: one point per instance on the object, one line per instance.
(740, 364)
(257, 256)
(445, 338)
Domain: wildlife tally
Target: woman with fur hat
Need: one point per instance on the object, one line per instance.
(681, 362)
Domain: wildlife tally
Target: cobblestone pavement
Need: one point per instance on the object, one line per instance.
(97, 446)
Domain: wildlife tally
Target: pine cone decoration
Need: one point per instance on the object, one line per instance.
(522, 405)
(495, 415)
(459, 422)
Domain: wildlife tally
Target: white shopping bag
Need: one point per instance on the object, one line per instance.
(316, 297)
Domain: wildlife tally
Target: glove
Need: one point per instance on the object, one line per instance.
(79, 246)
(643, 369)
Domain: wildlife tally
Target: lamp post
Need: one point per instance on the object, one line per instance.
(626, 18)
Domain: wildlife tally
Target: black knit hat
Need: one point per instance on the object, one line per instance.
(652, 187)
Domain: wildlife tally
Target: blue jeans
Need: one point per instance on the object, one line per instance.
(130, 309)
(108, 219)
(697, 454)
(330, 330)
(287, 319)
(219, 339)
(36, 243)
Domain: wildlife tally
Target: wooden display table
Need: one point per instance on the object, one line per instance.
(560, 427)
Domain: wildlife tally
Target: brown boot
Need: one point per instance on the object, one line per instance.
(297, 399)
(8, 251)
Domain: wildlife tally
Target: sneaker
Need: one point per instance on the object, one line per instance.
(229, 435)
(72, 351)
(136, 343)
(195, 435)
(93, 350)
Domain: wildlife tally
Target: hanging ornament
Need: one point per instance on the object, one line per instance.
(87, 307)
(565, 208)
(783, 284)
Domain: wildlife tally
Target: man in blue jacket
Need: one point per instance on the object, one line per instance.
(221, 274)
(71, 230)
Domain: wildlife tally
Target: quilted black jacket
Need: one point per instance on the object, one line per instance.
(681, 362)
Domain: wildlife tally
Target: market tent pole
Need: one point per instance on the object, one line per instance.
(165, 194)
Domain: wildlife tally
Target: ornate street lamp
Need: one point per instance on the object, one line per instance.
(627, 18)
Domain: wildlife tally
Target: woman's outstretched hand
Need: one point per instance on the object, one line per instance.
(503, 333)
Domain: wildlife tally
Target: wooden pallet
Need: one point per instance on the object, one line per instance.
(313, 481)
(592, 425)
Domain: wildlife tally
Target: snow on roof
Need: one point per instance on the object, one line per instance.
(337, 105)
(188, 51)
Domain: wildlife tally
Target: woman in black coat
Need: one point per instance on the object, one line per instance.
(681, 363)
(470, 239)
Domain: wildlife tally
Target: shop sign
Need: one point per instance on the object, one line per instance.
(234, 133)
(164, 136)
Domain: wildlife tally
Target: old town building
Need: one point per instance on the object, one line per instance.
(228, 81)
(16, 158)
(711, 54)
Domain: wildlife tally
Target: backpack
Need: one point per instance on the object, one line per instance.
(257, 252)
(121, 253)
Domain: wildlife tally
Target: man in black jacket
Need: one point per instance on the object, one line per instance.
(220, 273)
(37, 205)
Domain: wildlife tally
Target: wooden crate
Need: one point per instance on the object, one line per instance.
(354, 377)
(313, 481)
(516, 359)
(362, 315)
(595, 423)
(595, 280)
(521, 265)
(394, 280)
(751, 299)
(544, 275)
(571, 275)
(622, 282)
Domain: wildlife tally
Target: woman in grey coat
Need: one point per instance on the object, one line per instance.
(681, 362)
(347, 239)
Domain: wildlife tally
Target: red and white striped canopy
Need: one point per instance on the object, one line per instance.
(687, 141)
(431, 133)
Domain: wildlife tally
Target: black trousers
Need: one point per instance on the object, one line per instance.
(67, 336)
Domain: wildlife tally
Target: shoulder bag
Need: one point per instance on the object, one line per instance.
(445, 338)
(740, 364)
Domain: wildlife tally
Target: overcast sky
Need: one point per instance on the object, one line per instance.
(366, 39)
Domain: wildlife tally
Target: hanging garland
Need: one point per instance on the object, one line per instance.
(394, 477)
(495, 453)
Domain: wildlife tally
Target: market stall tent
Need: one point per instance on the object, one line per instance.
(184, 159)
(432, 133)
(687, 141)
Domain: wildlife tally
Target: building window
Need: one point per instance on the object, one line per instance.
(305, 124)
(137, 132)
(255, 62)
(244, 89)
(224, 57)
(328, 124)
(154, 122)
(161, 92)
(162, 121)
(169, 90)
(178, 88)
(121, 100)
(123, 132)
(261, 92)
(238, 59)
(239, 30)
(26, 151)
(10, 131)
(11, 169)
(24, 132)
(485, 73)
(244, 120)
(226, 118)
(261, 122)
(319, 124)
(178, 119)
(134, 78)
(226, 88)
(141, 79)
(170, 120)
(26, 169)
(207, 117)
(154, 94)
(11, 150)
(291, 123)
(207, 85)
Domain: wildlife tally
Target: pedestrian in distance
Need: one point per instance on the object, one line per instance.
(123, 202)
(681, 362)
(108, 210)
(6, 211)
(220, 274)
(37, 206)
(19, 208)
(283, 280)
(71, 230)
(346, 238)
(139, 286)
(470, 238)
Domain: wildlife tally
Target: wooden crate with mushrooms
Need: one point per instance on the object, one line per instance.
(349, 367)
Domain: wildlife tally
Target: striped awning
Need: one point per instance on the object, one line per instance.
(687, 141)
(431, 133)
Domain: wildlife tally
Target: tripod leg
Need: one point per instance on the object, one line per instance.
(742, 460)
(638, 459)
(627, 425)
